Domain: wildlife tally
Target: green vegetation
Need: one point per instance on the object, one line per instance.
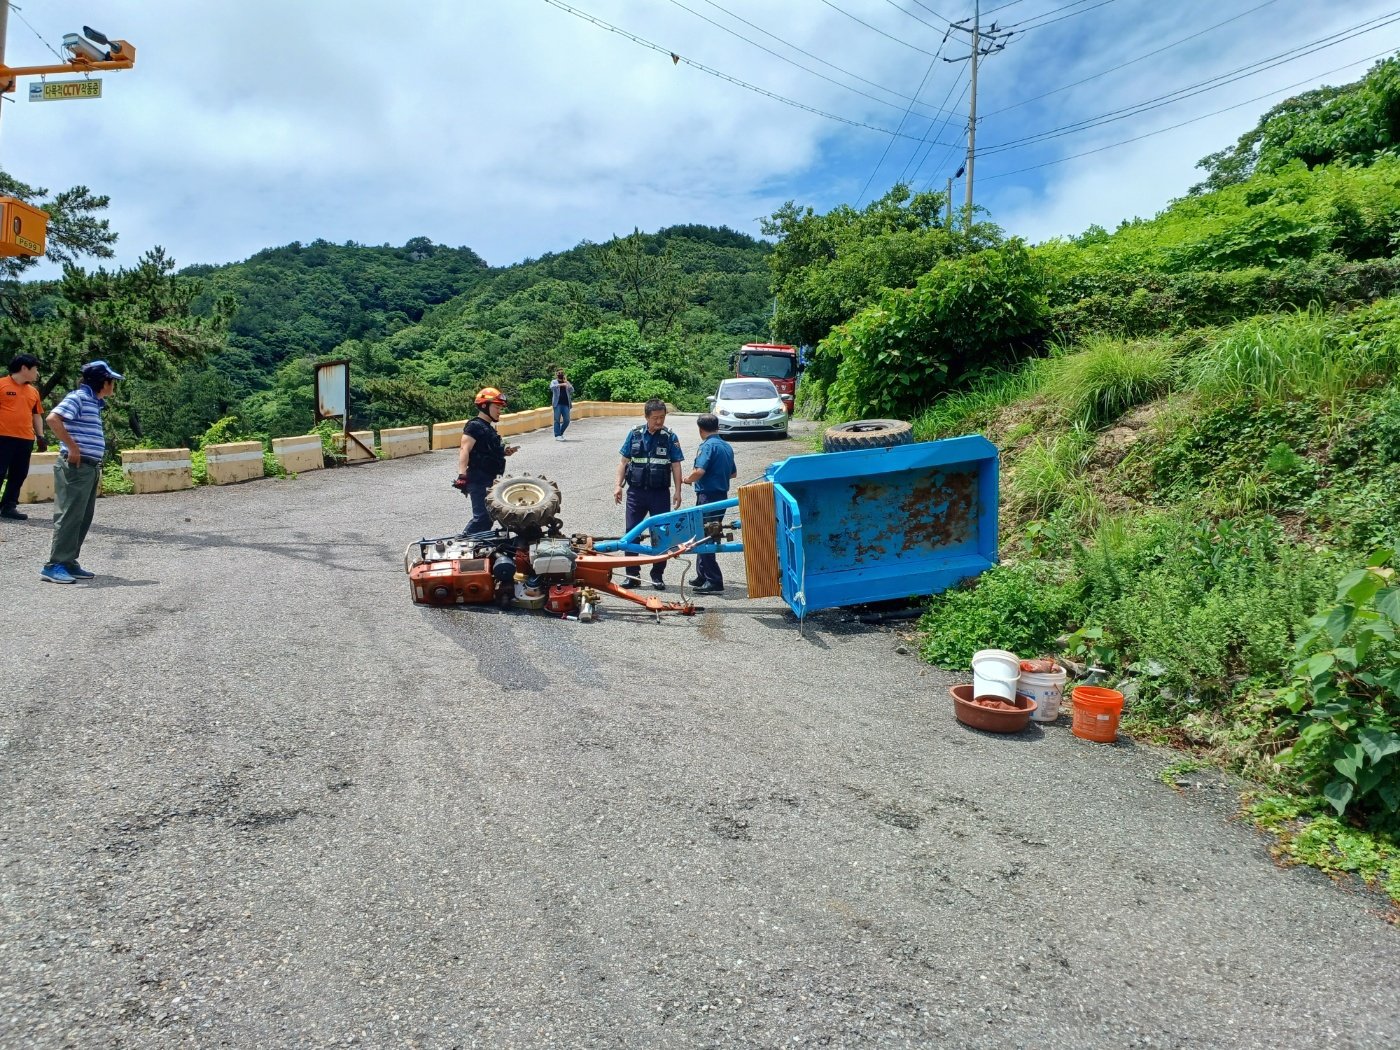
(1199, 465)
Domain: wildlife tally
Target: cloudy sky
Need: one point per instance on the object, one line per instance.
(519, 127)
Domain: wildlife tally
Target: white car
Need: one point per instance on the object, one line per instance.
(749, 406)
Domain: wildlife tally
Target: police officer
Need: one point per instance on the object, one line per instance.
(651, 467)
(482, 457)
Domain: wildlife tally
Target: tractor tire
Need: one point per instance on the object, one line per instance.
(867, 433)
(525, 504)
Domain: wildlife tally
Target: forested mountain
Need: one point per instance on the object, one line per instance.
(425, 326)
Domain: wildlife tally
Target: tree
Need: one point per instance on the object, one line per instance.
(1353, 124)
(646, 282)
(828, 267)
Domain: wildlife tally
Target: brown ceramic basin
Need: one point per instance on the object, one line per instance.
(990, 719)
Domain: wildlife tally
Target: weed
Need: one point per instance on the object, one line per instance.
(972, 407)
(114, 481)
(1050, 474)
(1107, 377)
(1307, 834)
(1177, 770)
(1020, 607)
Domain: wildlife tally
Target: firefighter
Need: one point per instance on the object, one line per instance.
(651, 467)
(482, 457)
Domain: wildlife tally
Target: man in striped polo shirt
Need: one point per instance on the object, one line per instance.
(77, 477)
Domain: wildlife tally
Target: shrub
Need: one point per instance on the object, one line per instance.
(1204, 608)
(961, 317)
(1346, 695)
(1106, 377)
(1020, 607)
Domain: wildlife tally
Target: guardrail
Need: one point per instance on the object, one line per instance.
(171, 469)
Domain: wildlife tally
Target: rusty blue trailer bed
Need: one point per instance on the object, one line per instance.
(863, 526)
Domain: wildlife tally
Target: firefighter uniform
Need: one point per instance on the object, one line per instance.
(649, 459)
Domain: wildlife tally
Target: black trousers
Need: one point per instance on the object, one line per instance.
(707, 565)
(14, 468)
(641, 504)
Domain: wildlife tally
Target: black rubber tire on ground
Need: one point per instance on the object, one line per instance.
(867, 433)
(525, 504)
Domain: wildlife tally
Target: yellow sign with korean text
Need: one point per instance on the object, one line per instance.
(59, 90)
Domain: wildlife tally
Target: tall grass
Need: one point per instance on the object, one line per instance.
(1303, 356)
(1106, 377)
(1051, 474)
(960, 411)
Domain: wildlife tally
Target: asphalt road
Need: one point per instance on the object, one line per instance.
(254, 797)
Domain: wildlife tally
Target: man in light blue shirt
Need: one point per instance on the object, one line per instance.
(714, 467)
(77, 476)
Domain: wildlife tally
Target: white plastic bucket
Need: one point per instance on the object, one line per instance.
(995, 672)
(1047, 690)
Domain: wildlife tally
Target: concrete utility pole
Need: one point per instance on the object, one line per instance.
(4, 24)
(949, 221)
(984, 42)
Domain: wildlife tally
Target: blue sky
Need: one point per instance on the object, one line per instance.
(517, 128)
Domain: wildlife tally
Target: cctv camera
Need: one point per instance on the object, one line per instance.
(83, 49)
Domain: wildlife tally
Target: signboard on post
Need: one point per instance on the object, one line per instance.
(333, 398)
(60, 90)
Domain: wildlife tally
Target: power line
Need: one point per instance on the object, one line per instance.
(1210, 84)
(678, 59)
(943, 158)
(1131, 61)
(1026, 26)
(888, 145)
(916, 18)
(1193, 120)
(787, 43)
(876, 29)
(1003, 7)
(948, 150)
(36, 32)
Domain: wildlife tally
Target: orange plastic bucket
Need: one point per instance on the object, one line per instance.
(1096, 713)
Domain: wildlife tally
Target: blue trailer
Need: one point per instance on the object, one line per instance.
(848, 528)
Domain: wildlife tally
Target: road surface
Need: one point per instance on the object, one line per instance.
(254, 797)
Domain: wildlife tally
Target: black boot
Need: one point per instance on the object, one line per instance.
(9, 511)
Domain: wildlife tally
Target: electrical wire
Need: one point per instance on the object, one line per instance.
(1031, 23)
(890, 144)
(1217, 81)
(948, 150)
(1003, 7)
(677, 59)
(875, 29)
(1193, 120)
(788, 43)
(948, 153)
(16, 9)
(915, 17)
(1131, 61)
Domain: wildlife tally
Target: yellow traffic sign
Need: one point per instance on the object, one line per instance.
(59, 90)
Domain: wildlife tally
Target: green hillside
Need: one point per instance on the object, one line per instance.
(1199, 422)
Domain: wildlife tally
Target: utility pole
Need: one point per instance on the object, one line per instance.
(4, 23)
(984, 42)
(948, 222)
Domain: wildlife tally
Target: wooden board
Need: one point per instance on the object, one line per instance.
(760, 535)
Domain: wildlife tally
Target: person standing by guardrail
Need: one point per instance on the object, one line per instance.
(561, 393)
(21, 425)
(714, 469)
(77, 476)
(650, 466)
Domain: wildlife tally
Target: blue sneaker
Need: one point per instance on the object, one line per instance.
(56, 574)
(78, 572)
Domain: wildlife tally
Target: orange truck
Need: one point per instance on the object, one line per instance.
(775, 361)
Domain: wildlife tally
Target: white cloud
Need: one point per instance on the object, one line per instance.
(516, 128)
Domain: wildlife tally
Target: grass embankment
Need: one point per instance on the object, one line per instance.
(1211, 516)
